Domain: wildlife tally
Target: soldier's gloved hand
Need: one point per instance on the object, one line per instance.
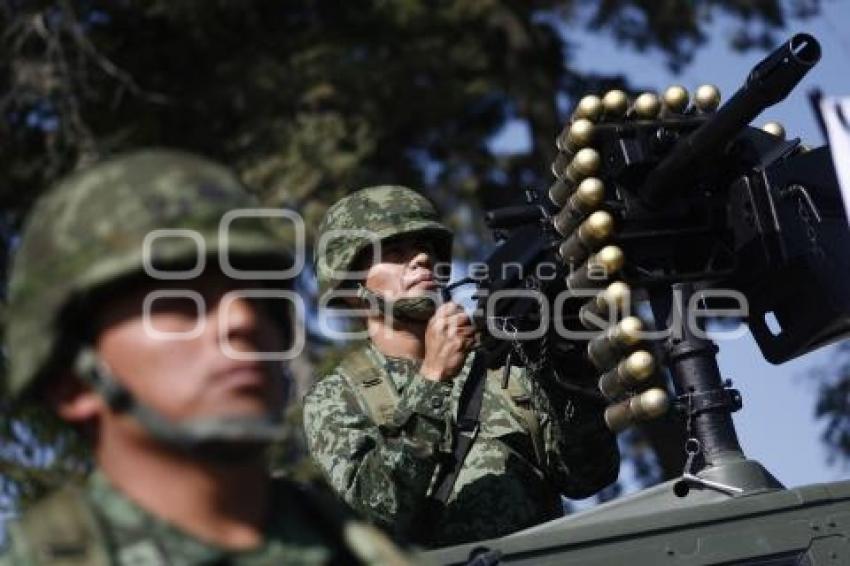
(448, 338)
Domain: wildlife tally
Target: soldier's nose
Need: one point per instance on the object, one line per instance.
(236, 318)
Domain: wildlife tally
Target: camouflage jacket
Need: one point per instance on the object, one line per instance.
(386, 472)
(98, 525)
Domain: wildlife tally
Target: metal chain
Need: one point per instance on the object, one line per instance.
(692, 444)
(536, 372)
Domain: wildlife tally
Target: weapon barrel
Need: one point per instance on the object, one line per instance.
(769, 82)
(512, 216)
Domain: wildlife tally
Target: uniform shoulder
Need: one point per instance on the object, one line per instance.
(326, 387)
(62, 522)
(334, 381)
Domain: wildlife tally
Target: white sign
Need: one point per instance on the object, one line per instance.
(836, 117)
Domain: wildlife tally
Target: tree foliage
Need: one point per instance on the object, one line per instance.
(310, 99)
(833, 404)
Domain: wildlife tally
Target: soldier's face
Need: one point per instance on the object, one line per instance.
(405, 268)
(192, 375)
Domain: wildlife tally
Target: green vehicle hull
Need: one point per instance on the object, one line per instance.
(662, 525)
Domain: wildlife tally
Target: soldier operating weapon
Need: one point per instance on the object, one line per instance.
(384, 425)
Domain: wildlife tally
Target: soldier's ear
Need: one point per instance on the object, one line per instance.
(72, 400)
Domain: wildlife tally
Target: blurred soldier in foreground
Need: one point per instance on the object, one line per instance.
(157, 373)
(381, 424)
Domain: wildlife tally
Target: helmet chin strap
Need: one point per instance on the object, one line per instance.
(409, 309)
(220, 439)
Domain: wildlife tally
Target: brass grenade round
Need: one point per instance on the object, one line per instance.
(640, 365)
(616, 294)
(589, 107)
(610, 258)
(630, 329)
(676, 98)
(647, 105)
(599, 226)
(707, 98)
(580, 135)
(589, 193)
(615, 103)
(586, 162)
(654, 402)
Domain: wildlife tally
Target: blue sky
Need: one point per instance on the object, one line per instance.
(777, 426)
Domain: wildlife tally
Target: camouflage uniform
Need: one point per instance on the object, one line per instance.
(108, 528)
(84, 237)
(530, 448)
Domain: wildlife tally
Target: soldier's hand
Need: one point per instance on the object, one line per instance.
(448, 338)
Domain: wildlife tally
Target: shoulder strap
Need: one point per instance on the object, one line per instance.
(522, 402)
(468, 423)
(62, 530)
(466, 430)
(373, 385)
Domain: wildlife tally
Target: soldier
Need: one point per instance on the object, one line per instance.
(145, 343)
(381, 424)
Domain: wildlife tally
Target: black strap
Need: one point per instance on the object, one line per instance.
(468, 422)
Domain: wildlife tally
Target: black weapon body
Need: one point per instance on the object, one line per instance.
(698, 198)
(701, 203)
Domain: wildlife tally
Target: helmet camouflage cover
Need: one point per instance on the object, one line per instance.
(88, 231)
(370, 214)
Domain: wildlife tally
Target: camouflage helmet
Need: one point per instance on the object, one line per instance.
(382, 212)
(88, 231)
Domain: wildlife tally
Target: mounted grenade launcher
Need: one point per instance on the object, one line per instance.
(674, 199)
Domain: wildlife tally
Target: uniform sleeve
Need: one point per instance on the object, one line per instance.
(385, 473)
(581, 453)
